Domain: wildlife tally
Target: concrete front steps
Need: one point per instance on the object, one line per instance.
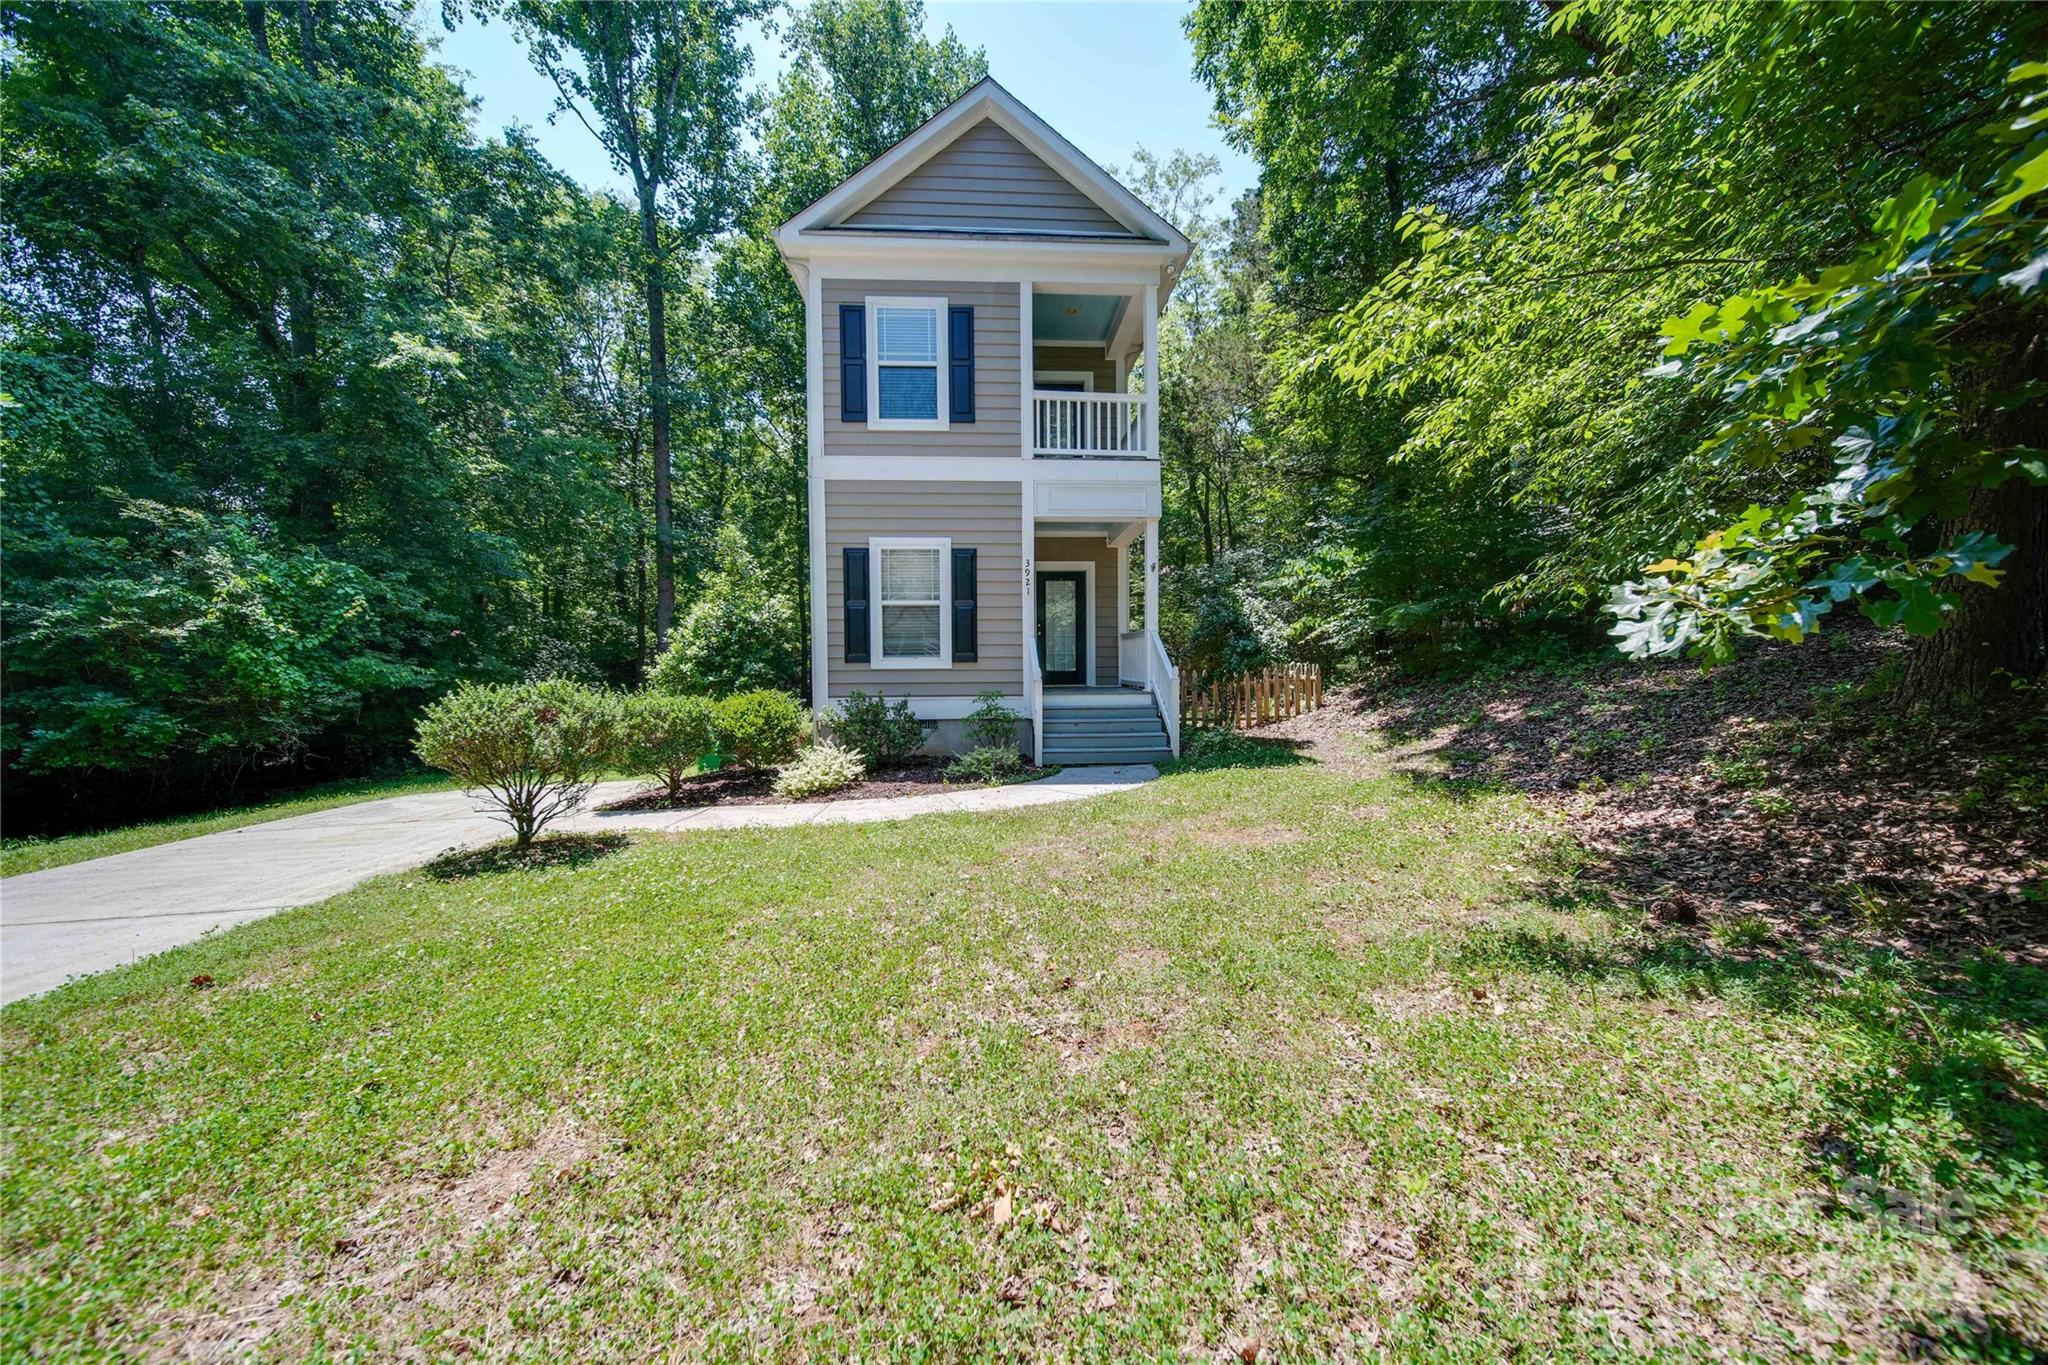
(1104, 727)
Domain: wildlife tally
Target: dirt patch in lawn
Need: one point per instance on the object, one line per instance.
(756, 787)
(401, 1253)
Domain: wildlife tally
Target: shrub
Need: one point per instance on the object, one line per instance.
(737, 635)
(663, 736)
(989, 763)
(822, 768)
(881, 733)
(758, 729)
(533, 750)
(992, 724)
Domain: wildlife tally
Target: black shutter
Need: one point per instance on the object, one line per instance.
(965, 616)
(960, 379)
(853, 366)
(856, 598)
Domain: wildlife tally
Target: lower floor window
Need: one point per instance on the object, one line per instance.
(912, 601)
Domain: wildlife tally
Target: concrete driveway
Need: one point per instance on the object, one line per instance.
(90, 916)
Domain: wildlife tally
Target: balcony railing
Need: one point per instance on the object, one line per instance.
(1089, 424)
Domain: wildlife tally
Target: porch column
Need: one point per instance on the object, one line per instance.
(1151, 571)
(1123, 586)
(1151, 395)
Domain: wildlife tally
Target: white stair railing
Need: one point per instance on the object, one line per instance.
(1164, 681)
(1088, 424)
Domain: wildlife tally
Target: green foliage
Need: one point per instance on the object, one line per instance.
(664, 736)
(987, 764)
(824, 767)
(992, 724)
(759, 729)
(1216, 618)
(532, 751)
(176, 632)
(303, 432)
(1205, 750)
(1472, 224)
(738, 634)
(883, 734)
(1909, 363)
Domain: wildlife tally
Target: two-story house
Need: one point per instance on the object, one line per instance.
(978, 301)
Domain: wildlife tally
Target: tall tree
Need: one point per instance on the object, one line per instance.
(1469, 373)
(658, 85)
(302, 429)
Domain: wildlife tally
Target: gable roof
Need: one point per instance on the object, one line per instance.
(1063, 194)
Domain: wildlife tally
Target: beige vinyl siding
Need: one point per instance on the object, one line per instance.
(994, 428)
(985, 179)
(1094, 550)
(1089, 359)
(983, 515)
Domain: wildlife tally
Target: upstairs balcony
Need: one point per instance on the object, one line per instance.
(1086, 343)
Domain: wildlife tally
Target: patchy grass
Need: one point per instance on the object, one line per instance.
(33, 855)
(1306, 1060)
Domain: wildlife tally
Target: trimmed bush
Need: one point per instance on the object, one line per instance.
(990, 763)
(822, 768)
(882, 734)
(760, 729)
(532, 751)
(663, 736)
(992, 724)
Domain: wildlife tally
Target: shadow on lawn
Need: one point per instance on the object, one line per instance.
(1941, 1114)
(553, 850)
(1210, 750)
(1783, 788)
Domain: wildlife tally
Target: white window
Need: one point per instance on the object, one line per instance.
(913, 603)
(907, 364)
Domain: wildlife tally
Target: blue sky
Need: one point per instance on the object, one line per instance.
(1110, 76)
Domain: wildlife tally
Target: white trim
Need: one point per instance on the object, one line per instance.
(942, 412)
(1088, 623)
(1153, 387)
(876, 602)
(1152, 575)
(945, 708)
(992, 469)
(1071, 263)
(986, 100)
(814, 423)
(1085, 378)
(1123, 597)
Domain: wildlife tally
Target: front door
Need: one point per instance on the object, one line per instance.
(1063, 626)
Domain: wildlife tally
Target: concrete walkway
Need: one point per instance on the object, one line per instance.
(90, 916)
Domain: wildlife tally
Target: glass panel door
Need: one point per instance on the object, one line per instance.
(1063, 626)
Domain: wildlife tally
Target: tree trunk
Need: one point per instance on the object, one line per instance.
(1993, 630)
(2002, 629)
(657, 386)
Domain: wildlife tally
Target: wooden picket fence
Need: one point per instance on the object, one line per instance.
(1248, 699)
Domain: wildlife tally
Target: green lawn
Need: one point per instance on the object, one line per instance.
(33, 855)
(1296, 1062)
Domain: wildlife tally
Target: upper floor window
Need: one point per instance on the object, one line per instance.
(907, 364)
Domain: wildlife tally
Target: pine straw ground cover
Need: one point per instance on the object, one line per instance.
(1329, 1055)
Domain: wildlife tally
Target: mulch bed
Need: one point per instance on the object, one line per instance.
(743, 787)
(550, 850)
(1763, 789)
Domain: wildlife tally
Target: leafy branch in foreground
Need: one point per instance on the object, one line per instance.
(1919, 363)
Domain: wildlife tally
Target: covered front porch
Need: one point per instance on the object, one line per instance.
(1091, 619)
